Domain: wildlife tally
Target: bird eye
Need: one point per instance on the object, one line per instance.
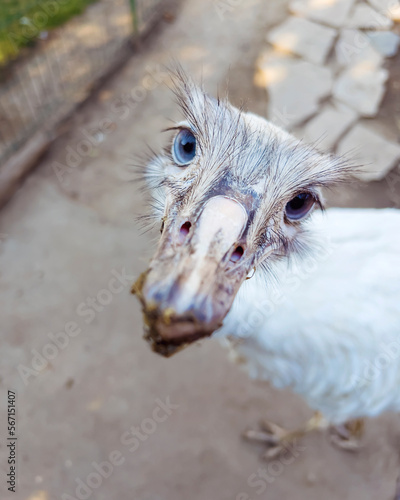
(299, 206)
(184, 147)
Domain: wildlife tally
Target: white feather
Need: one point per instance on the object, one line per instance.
(331, 330)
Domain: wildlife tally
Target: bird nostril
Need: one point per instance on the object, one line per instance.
(237, 254)
(184, 231)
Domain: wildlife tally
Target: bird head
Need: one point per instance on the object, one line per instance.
(232, 193)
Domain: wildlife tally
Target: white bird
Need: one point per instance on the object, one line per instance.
(238, 196)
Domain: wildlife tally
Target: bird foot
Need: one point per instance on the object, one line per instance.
(272, 435)
(348, 436)
(278, 439)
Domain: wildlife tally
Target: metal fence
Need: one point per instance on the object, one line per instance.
(58, 71)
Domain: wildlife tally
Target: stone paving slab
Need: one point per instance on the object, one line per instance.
(358, 74)
(295, 87)
(377, 155)
(387, 42)
(365, 17)
(326, 128)
(354, 47)
(304, 38)
(361, 88)
(390, 8)
(333, 13)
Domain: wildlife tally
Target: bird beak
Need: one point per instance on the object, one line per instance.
(194, 276)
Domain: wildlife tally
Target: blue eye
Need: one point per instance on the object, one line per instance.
(299, 206)
(184, 148)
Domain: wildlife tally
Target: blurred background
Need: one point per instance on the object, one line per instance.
(83, 91)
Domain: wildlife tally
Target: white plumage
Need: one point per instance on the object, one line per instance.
(331, 329)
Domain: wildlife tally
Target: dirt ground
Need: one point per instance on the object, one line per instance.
(64, 238)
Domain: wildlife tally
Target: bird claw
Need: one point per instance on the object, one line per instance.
(275, 437)
(274, 430)
(273, 452)
(347, 436)
(350, 444)
(261, 437)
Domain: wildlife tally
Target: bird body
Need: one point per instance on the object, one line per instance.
(322, 312)
(330, 328)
